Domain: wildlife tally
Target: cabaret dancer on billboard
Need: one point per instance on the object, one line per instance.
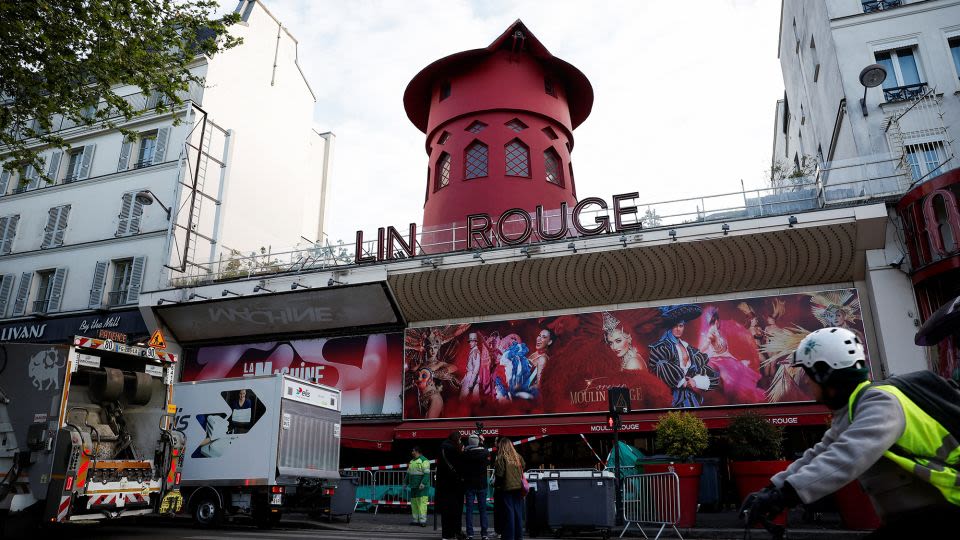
(427, 368)
(477, 382)
(683, 368)
(620, 342)
(538, 359)
(515, 380)
(739, 380)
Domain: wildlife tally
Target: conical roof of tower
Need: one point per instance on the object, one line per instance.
(416, 98)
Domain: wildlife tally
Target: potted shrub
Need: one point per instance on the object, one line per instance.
(682, 435)
(756, 454)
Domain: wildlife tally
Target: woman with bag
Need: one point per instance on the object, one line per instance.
(508, 474)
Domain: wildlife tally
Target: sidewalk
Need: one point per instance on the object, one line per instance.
(710, 525)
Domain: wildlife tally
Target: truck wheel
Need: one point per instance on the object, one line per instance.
(207, 512)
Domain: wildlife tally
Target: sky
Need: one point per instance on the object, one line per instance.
(684, 92)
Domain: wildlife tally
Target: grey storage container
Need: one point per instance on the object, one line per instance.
(572, 500)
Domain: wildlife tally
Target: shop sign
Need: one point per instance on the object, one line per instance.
(712, 354)
(116, 327)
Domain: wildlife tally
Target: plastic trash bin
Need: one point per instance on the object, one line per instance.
(572, 501)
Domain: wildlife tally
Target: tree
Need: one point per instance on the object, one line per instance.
(65, 59)
(651, 218)
(793, 177)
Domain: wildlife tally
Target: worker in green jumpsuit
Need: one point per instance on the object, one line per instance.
(418, 479)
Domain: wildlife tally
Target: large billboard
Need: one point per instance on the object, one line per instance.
(366, 369)
(730, 352)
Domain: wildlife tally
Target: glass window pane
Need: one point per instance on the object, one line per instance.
(908, 67)
(884, 60)
(955, 50)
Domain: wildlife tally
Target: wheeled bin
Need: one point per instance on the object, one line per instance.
(344, 498)
(572, 501)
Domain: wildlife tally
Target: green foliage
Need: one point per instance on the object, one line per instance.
(790, 176)
(681, 434)
(751, 438)
(64, 61)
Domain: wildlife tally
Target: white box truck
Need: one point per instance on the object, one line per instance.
(258, 446)
(86, 433)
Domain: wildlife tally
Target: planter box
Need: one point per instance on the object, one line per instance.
(750, 476)
(856, 508)
(689, 474)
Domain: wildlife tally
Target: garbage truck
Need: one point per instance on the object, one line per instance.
(86, 432)
(258, 447)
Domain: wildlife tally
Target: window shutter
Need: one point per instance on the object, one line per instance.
(56, 289)
(4, 182)
(54, 166)
(136, 279)
(8, 231)
(99, 282)
(133, 224)
(31, 177)
(62, 219)
(23, 293)
(125, 208)
(163, 135)
(48, 231)
(6, 287)
(85, 160)
(125, 150)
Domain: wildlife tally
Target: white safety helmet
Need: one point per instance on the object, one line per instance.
(834, 348)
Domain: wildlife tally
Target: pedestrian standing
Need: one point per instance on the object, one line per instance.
(449, 490)
(418, 480)
(475, 460)
(508, 471)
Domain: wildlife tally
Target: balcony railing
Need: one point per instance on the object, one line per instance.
(117, 298)
(869, 6)
(904, 93)
(41, 306)
(838, 183)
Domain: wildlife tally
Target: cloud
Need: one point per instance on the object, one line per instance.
(684, 92)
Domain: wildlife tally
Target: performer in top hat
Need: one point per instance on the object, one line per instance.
(681, 366)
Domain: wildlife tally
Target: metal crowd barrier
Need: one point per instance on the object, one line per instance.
(651, 499)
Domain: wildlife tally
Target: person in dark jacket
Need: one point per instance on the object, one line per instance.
(475, 461)
(449, 489)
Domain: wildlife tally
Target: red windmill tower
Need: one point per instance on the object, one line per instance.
(499, 123)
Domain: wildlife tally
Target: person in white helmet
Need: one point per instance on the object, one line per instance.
(866, 443)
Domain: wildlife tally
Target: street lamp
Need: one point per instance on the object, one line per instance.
(147, 197)
(871, 76)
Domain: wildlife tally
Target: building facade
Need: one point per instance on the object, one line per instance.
(124, 215)
(526, 336)
(891, 138)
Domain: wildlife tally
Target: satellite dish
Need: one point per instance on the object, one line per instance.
(873, 75)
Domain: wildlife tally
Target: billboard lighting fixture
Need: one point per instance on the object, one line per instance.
(726, 229)
(791, 221)
(259, 288)
(331, 282)
(227, 291)
(479, 255)
(297, 284)
(195, 295)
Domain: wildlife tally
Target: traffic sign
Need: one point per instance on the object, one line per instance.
(157, 341)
